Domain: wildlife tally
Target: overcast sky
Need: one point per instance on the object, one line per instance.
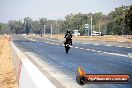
(54, 9)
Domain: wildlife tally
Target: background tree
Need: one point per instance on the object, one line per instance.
(42, 22)
(4, 28)
(120, 19)
(117, 22)
(78, 21)
(128, 20)
(16, 26)
(36, 27)
(1, 27)
(27, 24)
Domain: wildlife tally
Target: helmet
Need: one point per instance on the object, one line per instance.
(68, 31)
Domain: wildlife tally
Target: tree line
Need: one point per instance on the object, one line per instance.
(117, 22)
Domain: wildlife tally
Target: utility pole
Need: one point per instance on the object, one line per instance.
(99, 26)
(88, 31)
(57, 27)
(58, 31)
(44, 29)
(51, 31)
(91, 25)
(99, 29)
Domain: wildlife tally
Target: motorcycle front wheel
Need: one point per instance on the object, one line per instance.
(67, 49)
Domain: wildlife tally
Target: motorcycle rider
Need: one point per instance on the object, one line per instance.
(68, 37)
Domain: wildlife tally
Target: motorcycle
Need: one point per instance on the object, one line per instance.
(67, 46)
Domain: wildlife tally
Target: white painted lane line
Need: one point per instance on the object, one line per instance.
(104, 52)
(96, 44)
(47, 42)
(76, 47)
(120, 46)
(87, 49)
(81, 48)
(108, 45)
(84, 43)
(117, 54)
(98, 51)
(52, 43)
(93, 50)
(32, 39)
(128, 47)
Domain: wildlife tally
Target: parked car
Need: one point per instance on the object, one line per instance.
(94, 33)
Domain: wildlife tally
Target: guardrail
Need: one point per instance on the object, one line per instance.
(28, 75)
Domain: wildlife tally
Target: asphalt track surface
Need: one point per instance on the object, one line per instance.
(95, 59)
